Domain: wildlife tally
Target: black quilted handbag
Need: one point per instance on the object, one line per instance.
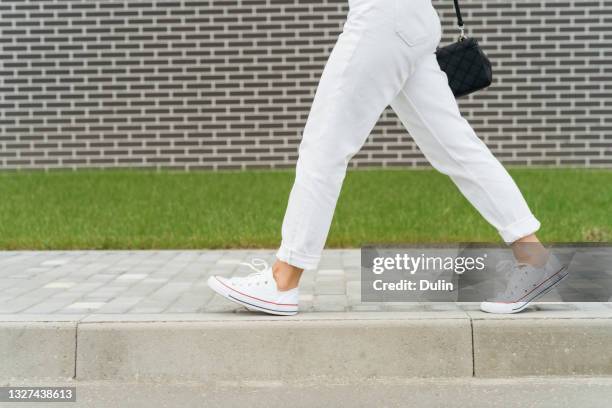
(467, 67)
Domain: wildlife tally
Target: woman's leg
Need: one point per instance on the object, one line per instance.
(428, 109)
(366, 69)
(380, 45)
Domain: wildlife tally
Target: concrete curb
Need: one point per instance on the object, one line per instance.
(542, 347)
(310, 346)
(38, 350)
(272, 350)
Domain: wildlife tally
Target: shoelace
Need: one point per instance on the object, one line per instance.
(254, 264)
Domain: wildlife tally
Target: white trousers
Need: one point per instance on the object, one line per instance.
(385, 56)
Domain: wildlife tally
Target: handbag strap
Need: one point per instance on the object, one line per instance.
(458, 12)
(459, 19)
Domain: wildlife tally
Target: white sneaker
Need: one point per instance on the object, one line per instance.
(526, 283)
(257, 291)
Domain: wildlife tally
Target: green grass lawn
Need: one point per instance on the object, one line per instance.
(140, 209)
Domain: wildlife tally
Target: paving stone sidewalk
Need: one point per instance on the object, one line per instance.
(149, 282)
(173, 281)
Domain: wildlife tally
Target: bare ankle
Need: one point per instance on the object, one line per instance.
(530, 250)
(286, 276)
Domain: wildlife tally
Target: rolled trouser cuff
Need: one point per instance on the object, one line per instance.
(297, 259)
(519, 229)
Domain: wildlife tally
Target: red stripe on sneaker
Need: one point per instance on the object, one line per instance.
(259, 307)
(543, 282)
(253, 297)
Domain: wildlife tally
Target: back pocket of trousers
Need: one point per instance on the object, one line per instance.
(415, 20)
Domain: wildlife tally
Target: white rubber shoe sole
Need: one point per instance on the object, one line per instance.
(250, 302)
(540, 290)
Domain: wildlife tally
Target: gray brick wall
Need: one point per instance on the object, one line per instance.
(212, 84)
